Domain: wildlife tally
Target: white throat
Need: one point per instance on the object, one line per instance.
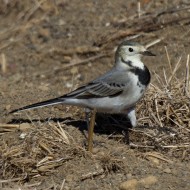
(135, 61)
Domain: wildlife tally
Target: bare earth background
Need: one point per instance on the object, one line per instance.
(45, 148)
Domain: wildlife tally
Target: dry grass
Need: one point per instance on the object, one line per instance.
(38, 150)
(165, 113)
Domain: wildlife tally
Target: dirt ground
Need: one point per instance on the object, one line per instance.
(46, 148)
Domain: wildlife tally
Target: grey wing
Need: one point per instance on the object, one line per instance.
(110, 84)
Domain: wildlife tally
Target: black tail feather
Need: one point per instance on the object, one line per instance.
(39, 104)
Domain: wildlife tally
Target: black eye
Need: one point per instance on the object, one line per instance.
(130, 49)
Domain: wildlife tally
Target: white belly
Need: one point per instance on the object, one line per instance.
(118, 104)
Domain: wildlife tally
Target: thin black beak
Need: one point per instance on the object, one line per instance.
(148, 53)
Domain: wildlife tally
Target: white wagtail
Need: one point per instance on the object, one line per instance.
(117, 91)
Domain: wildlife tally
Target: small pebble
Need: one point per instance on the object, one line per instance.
(155, 161)
(167, 170)
(44, 32)
(148, 181)
(74, 70)
(69, 178)
(24, 126)
(22, 135)
(61, 22)
(8, 107)
(129, 176)
(129, 185)
(44, 87)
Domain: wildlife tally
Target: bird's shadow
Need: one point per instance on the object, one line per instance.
(106, 124)
(111, 125)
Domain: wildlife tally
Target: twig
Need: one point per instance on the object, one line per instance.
(33, 184)
(44, 147)
(171, 10)
(161, 139)
(168, 57)
(53, 162)
(34, 9)
(158, 156)
(156, 87)
(63, 134)
(181, 127)
(81, 62)
(176, 146)
(157, 113)
(165, 77)
(62, 185)
(140, 146)
(13, 179)
(3, 63)
(133, 37)
(138, 131)
(7, 44)
(187, 77)
(92, 174)
(153, 42)
(159, 79)
(174, 71)
(139, 9)
(179, 120)
(9, 125)
(154, 117)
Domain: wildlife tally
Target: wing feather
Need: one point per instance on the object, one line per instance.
(94, 91)
(111, 84)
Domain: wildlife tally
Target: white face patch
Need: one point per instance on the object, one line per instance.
(135, 61)
(133, 55)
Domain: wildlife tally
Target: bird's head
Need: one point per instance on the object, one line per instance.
(131, 52)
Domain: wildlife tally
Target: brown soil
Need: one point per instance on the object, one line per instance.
(38, 42)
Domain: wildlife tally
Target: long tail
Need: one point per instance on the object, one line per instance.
(40, 104)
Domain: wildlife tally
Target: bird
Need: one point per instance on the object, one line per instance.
(115, 92)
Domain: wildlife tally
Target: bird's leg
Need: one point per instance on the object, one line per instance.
(91, 130)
